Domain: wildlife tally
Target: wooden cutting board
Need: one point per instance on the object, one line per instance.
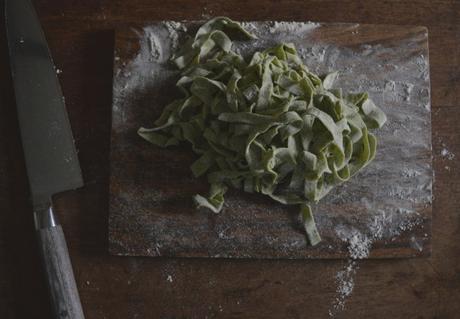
(383, 212)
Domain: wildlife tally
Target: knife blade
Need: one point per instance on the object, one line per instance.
(50, 155)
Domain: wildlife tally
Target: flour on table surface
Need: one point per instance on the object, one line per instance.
(207, 13)
(381, 225)
(345, 281)
(447, 154)
(415, 243)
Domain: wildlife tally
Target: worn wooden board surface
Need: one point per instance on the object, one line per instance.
(384, 212)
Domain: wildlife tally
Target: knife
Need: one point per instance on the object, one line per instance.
(50, 156)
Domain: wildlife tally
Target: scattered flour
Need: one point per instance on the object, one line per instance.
(206, 14)
(415, 243)
(139, 73)
(399, 192)
(292, 27)
(407, 90)
(345, 280)
(389, 85)
(174, 28)
(425, 94)
(382, 225)
(169, 278)
(422, 65)
(155, 46)
(367, 49)
(445, 153)
(359, 245)
(249, 26)
(410, 172)
(313, 53)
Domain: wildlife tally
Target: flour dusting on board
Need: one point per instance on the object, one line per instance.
(292, 27)
(157, 44)
(174, 30)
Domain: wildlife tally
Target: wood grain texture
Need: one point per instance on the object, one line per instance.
(80, 36)
(58, 267)
(388, 202)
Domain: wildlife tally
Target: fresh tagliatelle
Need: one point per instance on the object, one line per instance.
(268, 125)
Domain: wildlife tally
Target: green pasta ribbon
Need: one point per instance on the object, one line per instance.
(268, 125)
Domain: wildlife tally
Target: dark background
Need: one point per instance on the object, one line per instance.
(80, 36)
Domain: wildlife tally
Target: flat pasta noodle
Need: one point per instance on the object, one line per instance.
(268, 125)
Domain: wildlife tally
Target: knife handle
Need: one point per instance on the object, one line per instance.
(55, 257)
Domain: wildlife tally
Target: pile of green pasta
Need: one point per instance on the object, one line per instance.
(268, 125)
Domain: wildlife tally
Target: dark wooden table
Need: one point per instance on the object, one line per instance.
(80, 35)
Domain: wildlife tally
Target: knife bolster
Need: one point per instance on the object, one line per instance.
(45, 218)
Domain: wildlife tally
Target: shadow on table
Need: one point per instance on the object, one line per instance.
(88, 90)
